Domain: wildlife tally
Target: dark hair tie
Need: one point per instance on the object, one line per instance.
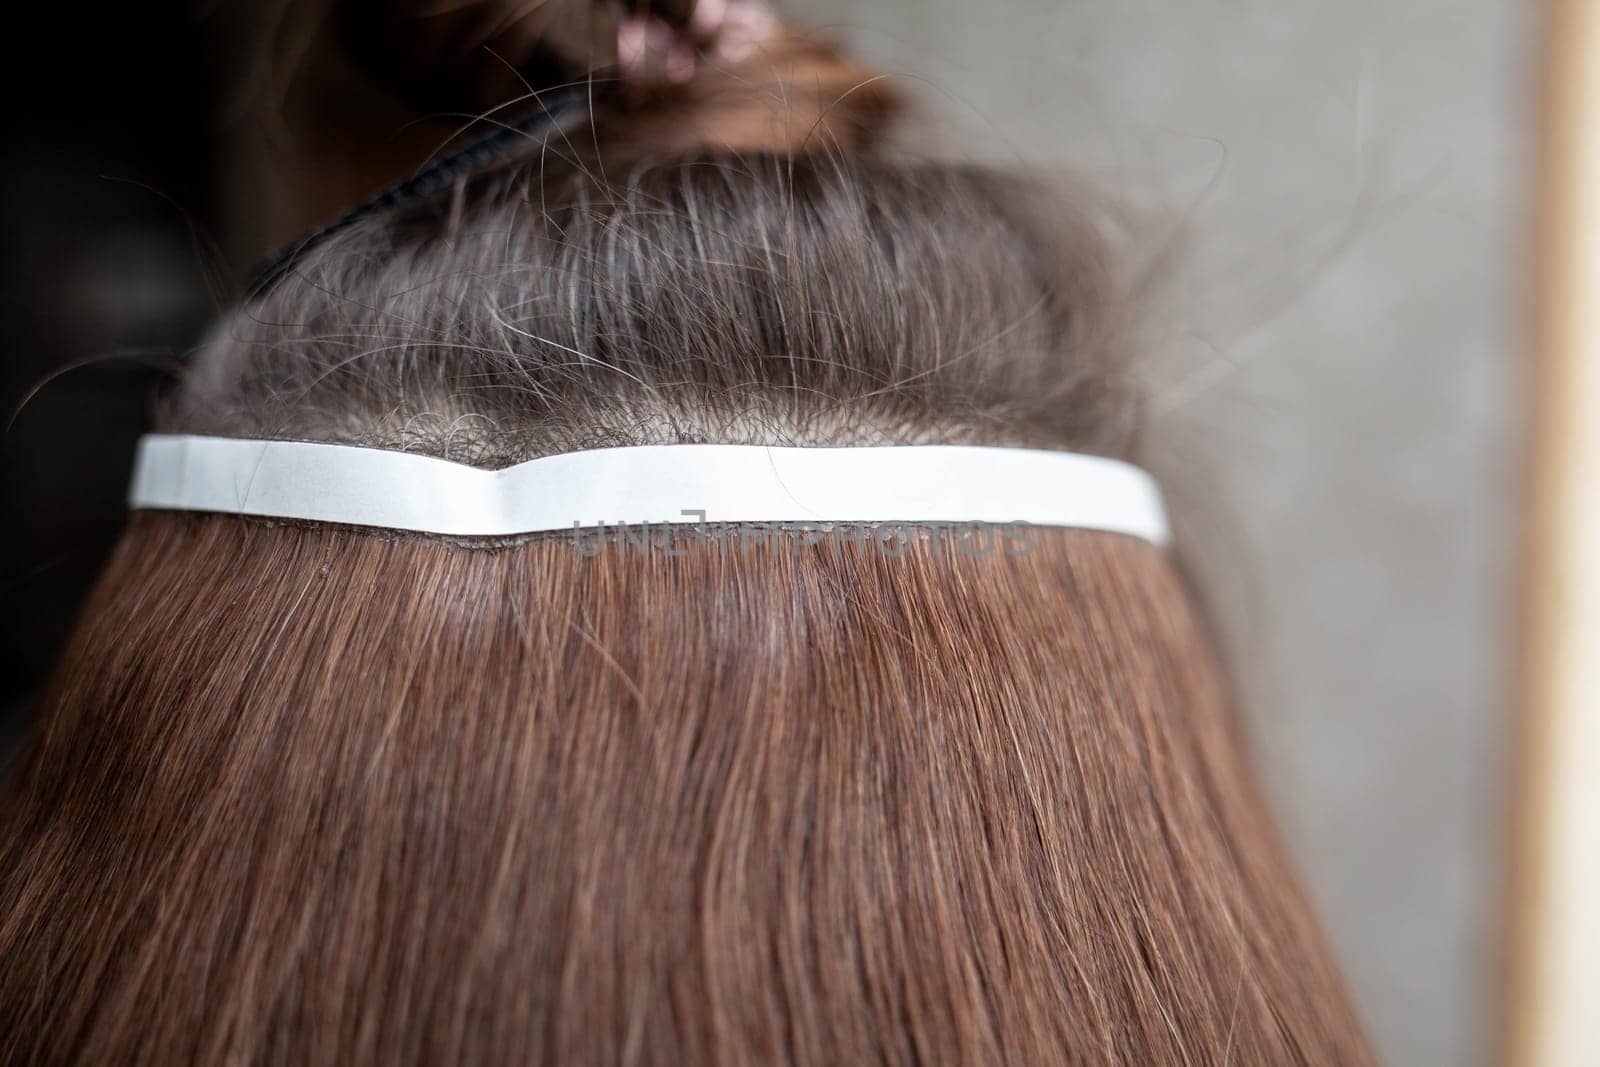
(430, 181)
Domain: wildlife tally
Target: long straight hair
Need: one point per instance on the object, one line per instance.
(309, 794)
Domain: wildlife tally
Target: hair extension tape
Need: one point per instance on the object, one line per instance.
(647, 485)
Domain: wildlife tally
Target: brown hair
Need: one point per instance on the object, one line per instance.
(307, 794)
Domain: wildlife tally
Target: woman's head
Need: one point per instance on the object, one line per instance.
(312, 794)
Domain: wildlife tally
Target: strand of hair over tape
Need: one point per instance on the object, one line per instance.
(647, 485)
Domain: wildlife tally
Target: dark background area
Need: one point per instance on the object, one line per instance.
(111, 265)
(187, 142)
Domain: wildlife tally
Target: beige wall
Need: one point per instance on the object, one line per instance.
(1335, 363)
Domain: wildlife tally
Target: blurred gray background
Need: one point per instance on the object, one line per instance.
(1333, 348)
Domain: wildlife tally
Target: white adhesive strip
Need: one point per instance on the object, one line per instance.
(650, 484)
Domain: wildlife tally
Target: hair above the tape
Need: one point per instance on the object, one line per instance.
(309, 794)
(812, 300)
